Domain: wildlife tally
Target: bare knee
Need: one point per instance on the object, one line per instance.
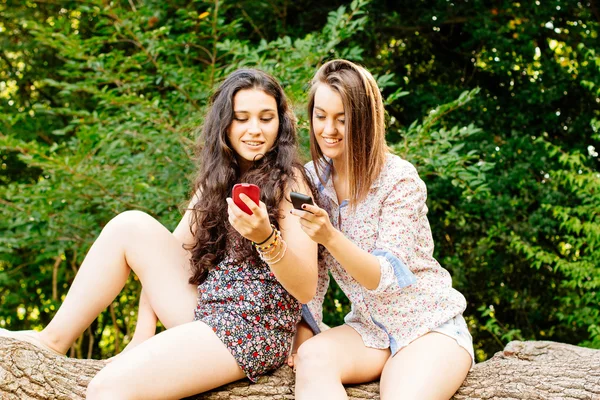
(314, 358)
(131, 228)
(107, 385)
(127, 222)
(100, 388)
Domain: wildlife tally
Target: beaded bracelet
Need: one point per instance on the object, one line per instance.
(265, 241)
(276, 257)
(272, 253)
(272, 244)
(268, 253)
(282, 252)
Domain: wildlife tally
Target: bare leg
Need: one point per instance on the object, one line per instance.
(303, 333)
(176, 363)
(431, 368)
(145, 326)
(131, 241)
(335, 357)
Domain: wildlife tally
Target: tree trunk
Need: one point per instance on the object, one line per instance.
(524, 370)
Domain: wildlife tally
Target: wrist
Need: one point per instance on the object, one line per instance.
(265, 238)
(331, 238)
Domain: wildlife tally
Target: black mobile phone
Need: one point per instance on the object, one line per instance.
(298, 199)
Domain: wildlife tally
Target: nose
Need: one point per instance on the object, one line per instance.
(254, 128)
(329, 128)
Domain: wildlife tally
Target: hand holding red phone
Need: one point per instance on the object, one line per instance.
(249, 190)
(247, 214)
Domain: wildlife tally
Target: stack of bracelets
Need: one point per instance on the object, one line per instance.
(274, 251)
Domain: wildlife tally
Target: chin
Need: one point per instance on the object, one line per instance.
(331, 154)
(253, 157)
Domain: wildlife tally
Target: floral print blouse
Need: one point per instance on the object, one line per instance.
(415, 293)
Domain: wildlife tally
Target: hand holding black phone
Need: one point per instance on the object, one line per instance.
(298, 199)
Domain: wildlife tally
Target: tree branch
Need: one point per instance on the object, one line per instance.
(524, 370)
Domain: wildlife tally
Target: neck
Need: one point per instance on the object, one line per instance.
(339, 170)
(339, 177)
(244, 166)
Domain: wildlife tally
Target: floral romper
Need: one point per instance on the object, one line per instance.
(252, 314)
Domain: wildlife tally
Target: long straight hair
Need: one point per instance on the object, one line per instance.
(219, 171)
(364, 140)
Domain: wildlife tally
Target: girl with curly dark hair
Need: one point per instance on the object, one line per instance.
(227, 285)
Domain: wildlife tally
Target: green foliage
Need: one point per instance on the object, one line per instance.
(496, 105)
(115, 131)
(522, 246)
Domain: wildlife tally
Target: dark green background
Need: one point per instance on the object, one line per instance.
(496, 103)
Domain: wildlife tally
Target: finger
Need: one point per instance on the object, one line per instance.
(249, 202)
(297, 213)
(233, 209)
(307, 226)
(311, 208)
(302, 214)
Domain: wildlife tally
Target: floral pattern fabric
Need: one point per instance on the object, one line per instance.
(415, 294)
(252, 314)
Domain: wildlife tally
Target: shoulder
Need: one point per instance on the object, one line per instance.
(310, 166)
(311, 170)
(397, 169)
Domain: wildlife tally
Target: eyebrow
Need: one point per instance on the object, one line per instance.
(340, 113)
(248, 112)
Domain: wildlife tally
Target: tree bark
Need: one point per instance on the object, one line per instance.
(524, 370)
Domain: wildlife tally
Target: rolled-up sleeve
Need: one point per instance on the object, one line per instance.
(399, 223)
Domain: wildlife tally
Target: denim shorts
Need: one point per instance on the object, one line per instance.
(457, 329)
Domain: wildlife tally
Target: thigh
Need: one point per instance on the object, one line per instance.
(431, 367)
(163, 267)
(345, 354)
(176, 363)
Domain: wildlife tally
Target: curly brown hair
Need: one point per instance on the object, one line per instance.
(219, 170)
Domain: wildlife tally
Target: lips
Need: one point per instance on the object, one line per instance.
(253, 143)
(330, 140)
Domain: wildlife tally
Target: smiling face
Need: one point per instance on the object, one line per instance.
(254, 127)
(328, 122)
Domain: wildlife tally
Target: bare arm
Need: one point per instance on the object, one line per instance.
(183, 232)
(363, 267)
(400, 220)
(297, 269)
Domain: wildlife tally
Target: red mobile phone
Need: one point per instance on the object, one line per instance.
(249, 190)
